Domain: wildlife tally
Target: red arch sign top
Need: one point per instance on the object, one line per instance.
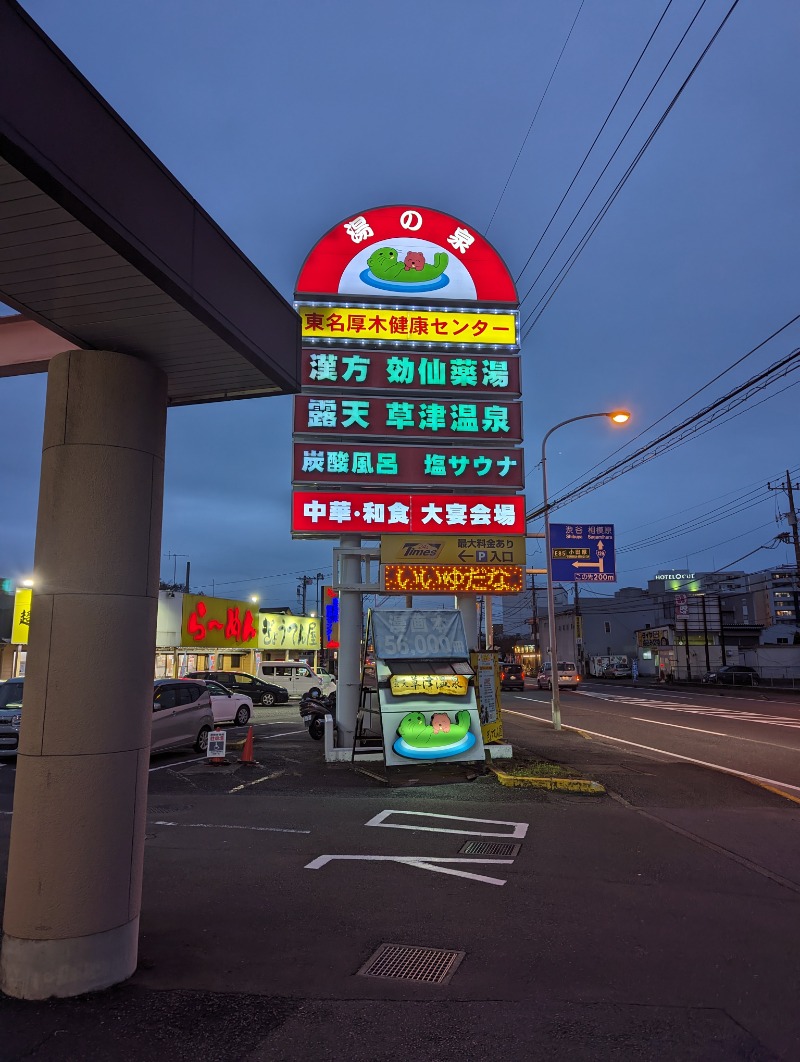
(397, 252)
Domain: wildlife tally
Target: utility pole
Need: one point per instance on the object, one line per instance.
(578, 632)
(791, 516)
(535, 623)
(305, 581)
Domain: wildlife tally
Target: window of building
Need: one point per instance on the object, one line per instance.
(783, 641)
(607, 627)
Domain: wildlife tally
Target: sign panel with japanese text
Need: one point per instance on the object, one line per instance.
(374, 513)
(417, 634)
(452, 579)
(217, 623)
(405, 251)
(582, 553)
(399, 419)
(428, 306)
(330, 618)
(21, 621)
(487, 692)
(217, 743)
(380, 324)
(382, 370)
(397, 467)
(452, 549)
(279, 631)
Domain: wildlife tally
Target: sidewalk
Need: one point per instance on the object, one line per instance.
(615, 936)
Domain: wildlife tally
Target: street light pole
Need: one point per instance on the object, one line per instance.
(618, 417)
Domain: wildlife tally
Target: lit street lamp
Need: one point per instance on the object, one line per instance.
(618, 416)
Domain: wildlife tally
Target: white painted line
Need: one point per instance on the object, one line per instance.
(185, 763)
(663, 752)
(220, 826)
(257, 781)
(178, 763)
(421, 863)
(519, 828)
(677, 726)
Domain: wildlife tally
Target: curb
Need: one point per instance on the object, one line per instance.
(568, 785)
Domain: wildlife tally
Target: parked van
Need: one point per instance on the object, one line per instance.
(297, 676)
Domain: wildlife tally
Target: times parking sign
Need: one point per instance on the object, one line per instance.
(582, 553)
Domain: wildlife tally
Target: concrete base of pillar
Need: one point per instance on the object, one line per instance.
(39, 969)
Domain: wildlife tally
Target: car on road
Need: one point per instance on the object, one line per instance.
(512, 677)
(733, 675)
(227, 705)
(617, 671)
(10, 714)
(568, 676)
(259, 692)
(182, 715)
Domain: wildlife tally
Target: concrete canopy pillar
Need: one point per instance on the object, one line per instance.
(77, 837)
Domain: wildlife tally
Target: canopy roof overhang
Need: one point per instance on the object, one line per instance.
(102, 246)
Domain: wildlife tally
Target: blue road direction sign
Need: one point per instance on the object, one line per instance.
(582, 553)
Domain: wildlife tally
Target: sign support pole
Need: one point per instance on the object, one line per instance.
(348, 689)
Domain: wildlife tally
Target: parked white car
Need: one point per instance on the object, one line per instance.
(228, 706)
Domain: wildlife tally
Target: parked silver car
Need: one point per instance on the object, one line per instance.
(10, 715)
(182, 714)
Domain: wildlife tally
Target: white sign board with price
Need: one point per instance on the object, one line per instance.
(416, 634)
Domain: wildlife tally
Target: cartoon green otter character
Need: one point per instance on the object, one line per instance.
(421, 735)
(386, 264)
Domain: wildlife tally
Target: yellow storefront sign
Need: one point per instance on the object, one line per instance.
(410, 325)
(430, 685)
(22, 616)
(218, 623)
(279, 631)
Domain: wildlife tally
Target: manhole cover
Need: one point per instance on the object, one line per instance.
(489, 848)
(402, 962)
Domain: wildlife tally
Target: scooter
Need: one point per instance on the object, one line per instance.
(314, 709)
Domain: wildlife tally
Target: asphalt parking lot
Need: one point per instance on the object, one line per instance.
(592, 932)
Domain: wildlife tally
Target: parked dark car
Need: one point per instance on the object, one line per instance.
(259, 691)
(512, 677)
(734, 675)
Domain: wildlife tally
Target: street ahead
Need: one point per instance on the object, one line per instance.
(754, 733)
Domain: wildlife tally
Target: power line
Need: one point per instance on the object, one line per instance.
(685, 401)
(535, 115)
(675, 436)
(591, 146)
(561, 276)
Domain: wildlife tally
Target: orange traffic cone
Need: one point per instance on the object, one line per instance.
(247, 751)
